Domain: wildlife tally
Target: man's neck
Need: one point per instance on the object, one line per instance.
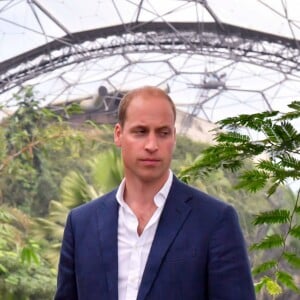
(142, 192)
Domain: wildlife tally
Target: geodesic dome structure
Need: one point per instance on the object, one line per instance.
(216, 58)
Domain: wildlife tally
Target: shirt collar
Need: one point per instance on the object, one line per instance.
(159, 198)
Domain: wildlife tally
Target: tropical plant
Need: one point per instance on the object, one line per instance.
(23, 272)
(105, 173)
(27, 137)
(271, 141)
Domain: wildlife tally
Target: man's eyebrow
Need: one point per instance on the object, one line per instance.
(135, 127)
(139, 126)
(164, 127)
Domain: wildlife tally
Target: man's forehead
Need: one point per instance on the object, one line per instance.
(158, 126)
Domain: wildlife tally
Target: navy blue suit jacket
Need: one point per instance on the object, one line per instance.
(198, 252)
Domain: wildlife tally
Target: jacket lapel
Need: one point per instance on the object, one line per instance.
(108, 235)
(173, 216)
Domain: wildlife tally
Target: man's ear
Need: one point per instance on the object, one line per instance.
(118, 135)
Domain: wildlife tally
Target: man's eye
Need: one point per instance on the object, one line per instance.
(139, 131)
(164, 133)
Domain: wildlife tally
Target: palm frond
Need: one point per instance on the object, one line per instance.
(107, 170)
(75, 190)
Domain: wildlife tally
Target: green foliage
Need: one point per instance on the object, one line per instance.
(22, 281)
(105, 173)
(287, 280)
(269, 242)
(274, 153)
(292, 258)
(106, 170)
(253, 180)
(264, 267)
(45, 159)
(23, 273)
(295, 231)
(29, 136)
(276, 216)
(35, 146)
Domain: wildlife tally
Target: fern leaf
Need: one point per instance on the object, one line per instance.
(269, 242)
(287, 280)
(273, 188)
(291, 115)
(272, 133)
(268, 165)
(232, 137)
(289, 161)
(251, 148)
(264, 267)
(292, 258)
(253, 180)
(279, 172)
(295, 105)
(277, 216)
(254, 121)
(287, 130)
(295, 231)
(281, 134)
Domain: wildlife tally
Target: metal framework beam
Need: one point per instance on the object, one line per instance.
(229, 42)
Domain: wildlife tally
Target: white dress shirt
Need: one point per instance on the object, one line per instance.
(133, 250)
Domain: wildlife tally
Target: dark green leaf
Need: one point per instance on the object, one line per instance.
(273, 188)
(264, 267)
(292, 258)
(277, 216)
(287, 280)
(232, 137)
(253, 180)
(297, 210)
(269, 242)
(295, 231)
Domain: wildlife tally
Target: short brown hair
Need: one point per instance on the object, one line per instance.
(146, 90)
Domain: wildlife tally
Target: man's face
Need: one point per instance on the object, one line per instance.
(147, 138)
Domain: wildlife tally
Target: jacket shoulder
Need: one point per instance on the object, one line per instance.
(87, 209)
(194, 195)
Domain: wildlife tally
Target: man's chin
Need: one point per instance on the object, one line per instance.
(153, 176)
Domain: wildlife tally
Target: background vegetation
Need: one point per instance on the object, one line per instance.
(48, 167)
(271, 143)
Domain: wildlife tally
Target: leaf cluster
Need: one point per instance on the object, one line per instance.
(269, 140)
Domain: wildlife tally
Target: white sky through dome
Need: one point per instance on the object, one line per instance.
(25, 25)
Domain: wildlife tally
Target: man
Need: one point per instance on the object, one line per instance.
(154, 237)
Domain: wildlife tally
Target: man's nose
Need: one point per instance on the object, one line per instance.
(151, 143)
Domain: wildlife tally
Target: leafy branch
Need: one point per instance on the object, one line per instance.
(270, 141)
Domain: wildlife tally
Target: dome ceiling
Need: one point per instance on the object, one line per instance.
(216, 58)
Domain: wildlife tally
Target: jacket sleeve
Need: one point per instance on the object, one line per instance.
(66, 280)
(229, 276)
